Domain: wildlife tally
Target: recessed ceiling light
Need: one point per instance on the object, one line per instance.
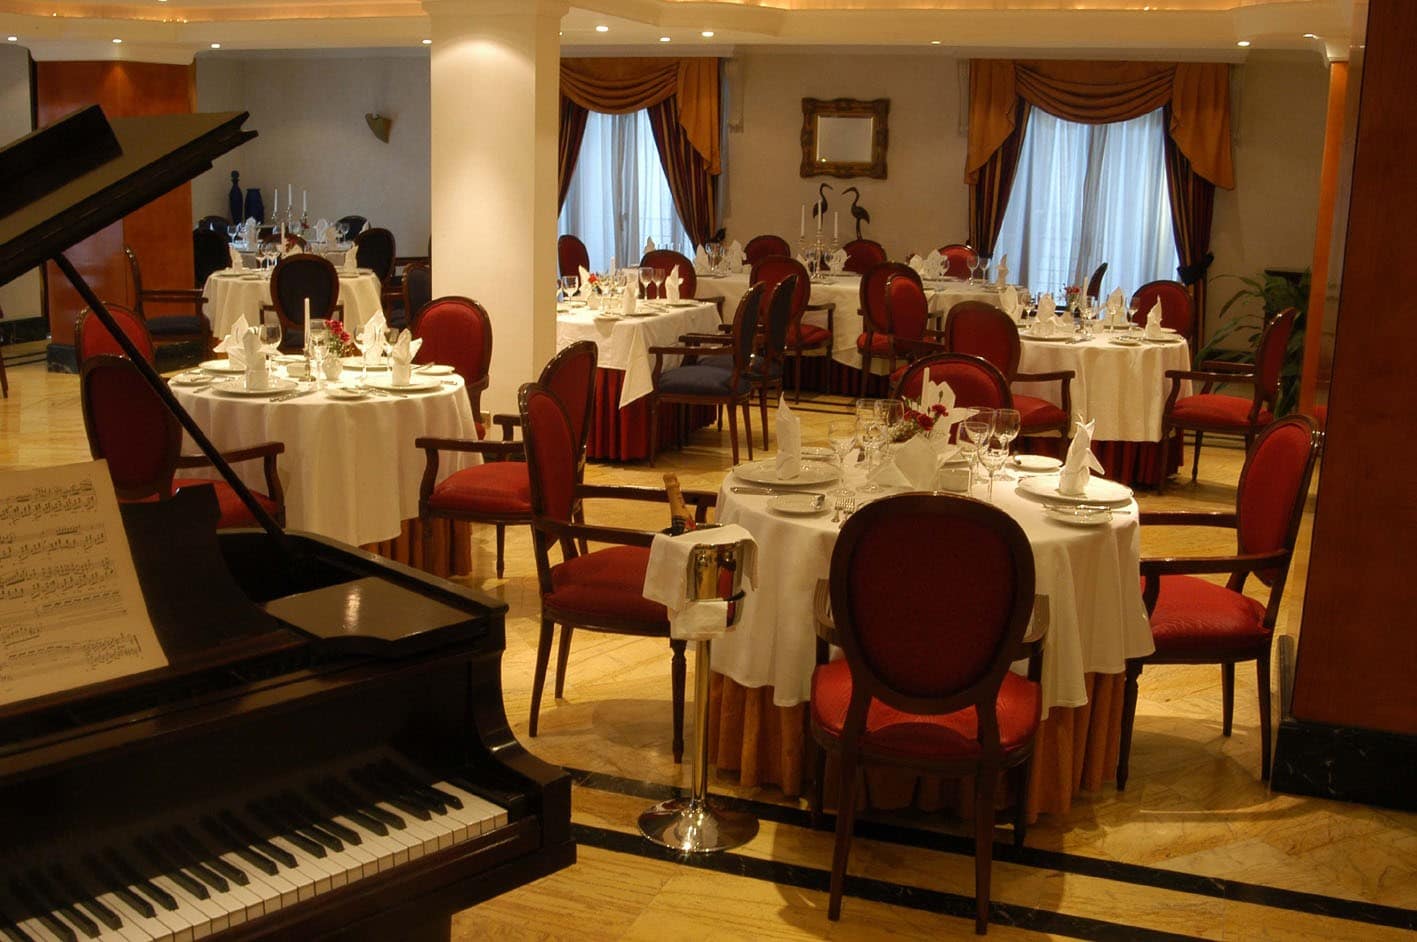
(602, 28)
(664, 39)
(117, 42)
(707, 34)
(934, 42)
(1243, 44)
(216, 45)
(12, 39)
(1311, 35)
(427, 42)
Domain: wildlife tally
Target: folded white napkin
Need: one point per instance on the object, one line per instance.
(627, 299)
(401, 357)
(789, 442)
(291, 248)
(321, 225)
(1116, 313)
(366, 226)
(836, 261)
(371, 338)
(1008, 302)
(933, 265)
(733, 255)
(231, 343)
(236, 262)
(672, 283)
(1153, 322)
(917, 461)
(250, 231)
(918, 264)
(934, 394)
(1001, 271)
(583, 274)
(351, 258)
(666, 578)
(649, 246)
(257, 375)
(329, 234)
(1077, 470)
(1044, 324)
(701, 261)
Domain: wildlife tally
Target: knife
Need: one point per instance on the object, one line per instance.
(769, 492)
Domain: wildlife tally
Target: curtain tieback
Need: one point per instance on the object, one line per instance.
(1190, 274)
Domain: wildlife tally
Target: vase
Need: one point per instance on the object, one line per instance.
(255, 205)
(233, 199)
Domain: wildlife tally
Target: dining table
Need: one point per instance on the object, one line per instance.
(619, 429)
(235, 293)
(1089, 605)
(335, 253)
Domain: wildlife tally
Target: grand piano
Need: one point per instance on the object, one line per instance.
(326, 754)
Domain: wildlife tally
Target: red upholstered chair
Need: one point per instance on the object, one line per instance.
(1094, 283)
(958, 259)
(897, 329)
(571, 255)
(295, 280)
(498, 491)
(600, 590)
(760, 247)
(133, 430)
(1195, 621)
(1207, 411)
(974, 380)
(92, 337)
(803, 340)
(893, 700)
(717, 382)
(862, 254)
(176, 328)
(983, 330)
(1175, 301)
(457, 331)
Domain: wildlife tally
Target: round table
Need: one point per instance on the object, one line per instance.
(349, 470)
(232, 294)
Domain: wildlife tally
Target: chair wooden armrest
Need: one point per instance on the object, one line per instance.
(696, 338)
(175, 295)
(701, 501)
(1053, 377)
(715, 299)
(1227, 366)
(688, 351)
(588, 533)
(507, 423)
(1210, 377)
(920, 348)
(263, 450)
(501, 450)
(1188, 518)
(1212, 565)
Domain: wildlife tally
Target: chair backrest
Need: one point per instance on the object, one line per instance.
(780, 304)
(571, 255)
(958, 259)
(570, 377)
(457, 331)
(210, 253)
(550, 442)
(665, 259)
(861, 254)
(1269, 356)
(982, 330)
(873, 289)
(356, 224)
(1175, 305)
(92, 337)
(907, 308)
(1274, 486)
(417, 288)
(1094, 284)
(974, 381)
(760, 247)
(214, 223)
(129, 427)
(299, 277)
(774, 269)
(135, 274)
(374, 250)
(978, 565)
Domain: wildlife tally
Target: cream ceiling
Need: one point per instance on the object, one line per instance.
(175, 30)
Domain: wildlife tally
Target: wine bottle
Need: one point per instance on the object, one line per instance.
(680, 519)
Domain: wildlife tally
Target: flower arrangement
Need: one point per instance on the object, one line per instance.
(341, 343)
(915, 421)
(593, 285)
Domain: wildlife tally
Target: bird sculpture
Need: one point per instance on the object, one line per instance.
(819, 206)
(858, 212)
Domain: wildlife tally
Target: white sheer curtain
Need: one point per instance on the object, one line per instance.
(1085, 194)
(618, 196)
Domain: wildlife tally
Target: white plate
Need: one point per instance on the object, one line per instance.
(1163, 341)
(817, 453)
(220, 366)
(346, 392)
(1056, 338)
(1125, 341)
(1078, 516)
(236, 386)
(416, 386)
(190, 378)
(1099, 491)
(288, 358)
(683, 303)
(1041, 463)
(765, 472)
(432, 369)
(354, 363)
(797, 505)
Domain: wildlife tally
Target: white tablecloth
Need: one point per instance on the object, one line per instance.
(232, 294)
(845, 292)
(1090, 575)
(1123, 389)
(623, 342)
(250, 259)
(349, 469)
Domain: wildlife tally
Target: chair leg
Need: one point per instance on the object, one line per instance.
(1129, 717)
(1227, 697)
(677, 671)
(538, 679)
(763, 412)
(748, 426)
(1262, 675)
(1196, 458)
(985, 781)
(501, 546)
(426, 526)
(563, 654)
(797, 379)
(1021, 803)
(845, 822)
(817, 799)
(1165, 458)
(653, 428)
(733, 431)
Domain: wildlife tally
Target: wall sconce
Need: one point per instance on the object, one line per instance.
(379, 125)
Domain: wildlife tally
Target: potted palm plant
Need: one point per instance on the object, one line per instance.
(1243, 317)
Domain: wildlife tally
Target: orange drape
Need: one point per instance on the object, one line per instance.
(1102, 92)
(623, 85)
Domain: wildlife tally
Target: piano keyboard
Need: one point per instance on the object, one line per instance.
(204, 871)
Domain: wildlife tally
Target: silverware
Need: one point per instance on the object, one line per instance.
(286, 397)
(769, 492)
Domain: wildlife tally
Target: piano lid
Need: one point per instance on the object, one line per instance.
(67, 181)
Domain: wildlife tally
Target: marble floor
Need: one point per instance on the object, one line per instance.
(1197, 847)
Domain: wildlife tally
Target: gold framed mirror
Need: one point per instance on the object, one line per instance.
(844, 137)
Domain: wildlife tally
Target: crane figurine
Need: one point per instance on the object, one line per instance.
(858, 212)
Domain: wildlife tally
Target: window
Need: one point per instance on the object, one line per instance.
(1085, 194)
(619, 196)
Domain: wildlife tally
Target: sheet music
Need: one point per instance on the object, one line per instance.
(71, 608)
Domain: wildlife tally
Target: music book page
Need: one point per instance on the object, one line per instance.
(71, 608)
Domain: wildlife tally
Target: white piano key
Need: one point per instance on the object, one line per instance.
(176, 922)
(152, 928)
(477, 811)
(307, 866)
(202, 917)
(275, 891)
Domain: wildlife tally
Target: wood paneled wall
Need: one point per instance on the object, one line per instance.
(1358, 642)
(161, 232)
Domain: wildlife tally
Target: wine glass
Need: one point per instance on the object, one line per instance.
(1006, 428)
(872, 435)
(570, 284)
(977, 430)
(646, 276)
(992, 454)
(841, 436)
(659, 275)
(269, 333)
(342, 231)
(231, 232)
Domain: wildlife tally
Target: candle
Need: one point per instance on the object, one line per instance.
(302, 202)
(307, 324)
(802, 228)
(290, 195)
(819, 223)
(836, 223)
(275, 209)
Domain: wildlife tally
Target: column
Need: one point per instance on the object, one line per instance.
(495, 77)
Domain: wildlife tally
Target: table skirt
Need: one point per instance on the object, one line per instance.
(1076, 751)
(618, 434)
(451, 553)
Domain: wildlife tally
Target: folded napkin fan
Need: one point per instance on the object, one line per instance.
(1154, 330)
(934, 394)
(371, 338)
(329, 234)
(1077, 470)
(237, 263)
(788, 462)
(1008, 302)
(231, 343)
(401, 357)
(583, 276)
(351, 259)
(836, 261)
(917, 263)
(933, 265)
(1001, 271)
(734, 256)
(257, 375)
(666, 580)
(321, 225)
(1116, 308)
(672, 283)
(917, 461)
(649, 246)
(1045, 323)
(701, 261)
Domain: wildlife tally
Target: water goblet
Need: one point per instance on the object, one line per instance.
(646, 277)
(1007, 423)
(992, 454)
(977, 430)
(231, 232)
(841, 436)
(658, 277)
(872, 434)
(570, 285)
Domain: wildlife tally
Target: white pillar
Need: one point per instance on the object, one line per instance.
(495, 80)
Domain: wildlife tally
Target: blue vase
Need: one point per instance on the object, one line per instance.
(233, 199)
(255, 205)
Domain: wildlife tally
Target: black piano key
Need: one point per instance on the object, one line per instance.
(264, 847)
(346, 793)
(168, 868)
(239, 847)
(325, 798)
(109, 883)
(312, 829)
(84, 900)
(394, 770)
(324, 822)
(210, 858)
(410, 791)
(189, 863)
(382, 792)
(58, 903)
(274, 821)
(38, 910)
(10, 929)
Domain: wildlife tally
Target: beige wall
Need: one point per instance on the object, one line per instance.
(20, 297)
(921, 204)
(309, 111)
